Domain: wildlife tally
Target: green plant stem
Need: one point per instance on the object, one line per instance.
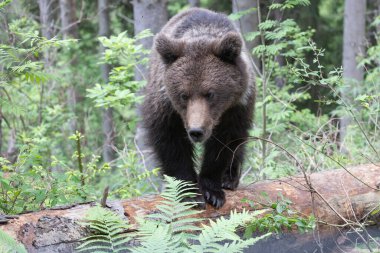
(345, 104)
(264, 82)
(80, 163)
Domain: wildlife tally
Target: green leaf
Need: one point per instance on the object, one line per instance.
(238, 15)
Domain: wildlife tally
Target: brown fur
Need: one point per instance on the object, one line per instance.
(200, 89)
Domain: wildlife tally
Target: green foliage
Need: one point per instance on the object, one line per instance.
(289, 4)
(30, 183)
(9, 245)
(108, 232)
(213, 237)
(4, 3)
(289, 114)
(298, 104)
(129, 179)
(173, 209)
(171, 229)
(48, 168)
(238, 15)
(281, 217)
(175, 6)
(126, 53)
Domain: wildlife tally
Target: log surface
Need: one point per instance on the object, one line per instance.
(59, 231)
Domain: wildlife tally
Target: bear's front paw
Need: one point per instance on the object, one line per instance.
(230, 183)
(216, 198)
(212, 193)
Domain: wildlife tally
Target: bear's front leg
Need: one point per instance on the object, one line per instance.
(168, 138)
(173, 149)
(224, 154)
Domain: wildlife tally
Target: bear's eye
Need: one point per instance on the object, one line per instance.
(209, 95)
(184, 97)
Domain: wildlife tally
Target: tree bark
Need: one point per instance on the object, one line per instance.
(194, 3)
(46, 18)
(279, 80)
(1, 130)
(108, 126)
(378, 14)
(353, 46)
(148, 14)
(248, 23)
(12, 149)
(153, 15)
(69, 28)
(68, 19)
(337, 195)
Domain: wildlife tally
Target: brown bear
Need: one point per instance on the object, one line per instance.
(200, 89)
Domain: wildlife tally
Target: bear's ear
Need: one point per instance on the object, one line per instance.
(229, 48)
(169, 49)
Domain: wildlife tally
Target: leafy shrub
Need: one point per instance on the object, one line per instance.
(281, 217)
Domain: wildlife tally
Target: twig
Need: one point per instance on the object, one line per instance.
(103, 201)
(341, 165)
(144, 164)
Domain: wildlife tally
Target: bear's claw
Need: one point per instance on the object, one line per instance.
(215, 198)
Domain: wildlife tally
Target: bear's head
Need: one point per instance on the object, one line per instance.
(203, 78)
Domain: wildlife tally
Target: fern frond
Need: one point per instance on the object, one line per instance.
(172, 229)
(109, 231)
(173, 209)
(212, 236)
(9, 245)
(162, 240)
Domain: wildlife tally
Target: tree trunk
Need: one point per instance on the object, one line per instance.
(279, 80)
(194, 3)
(248, 23)
(68, 19)
(378, 14)
(1, 130)
(148, 14)
(339, 198)
(353, 46)
(108, 126)
(70, 30)
(46, 18)
(153, 15)
(12, 149)
(47, 15)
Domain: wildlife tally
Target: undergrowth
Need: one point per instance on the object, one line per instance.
(170, 229)
(9, 245)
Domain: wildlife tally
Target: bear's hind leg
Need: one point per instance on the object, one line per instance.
(232, 173)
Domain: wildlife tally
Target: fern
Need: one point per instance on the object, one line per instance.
(161, 240)
(174, 218)
(171, 229)
(173, 209)
(109, 232)
(223, 230)
(9, 245)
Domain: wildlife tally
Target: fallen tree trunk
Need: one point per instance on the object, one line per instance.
(334, 197)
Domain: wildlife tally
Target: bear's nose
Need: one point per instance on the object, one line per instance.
(196, 134)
